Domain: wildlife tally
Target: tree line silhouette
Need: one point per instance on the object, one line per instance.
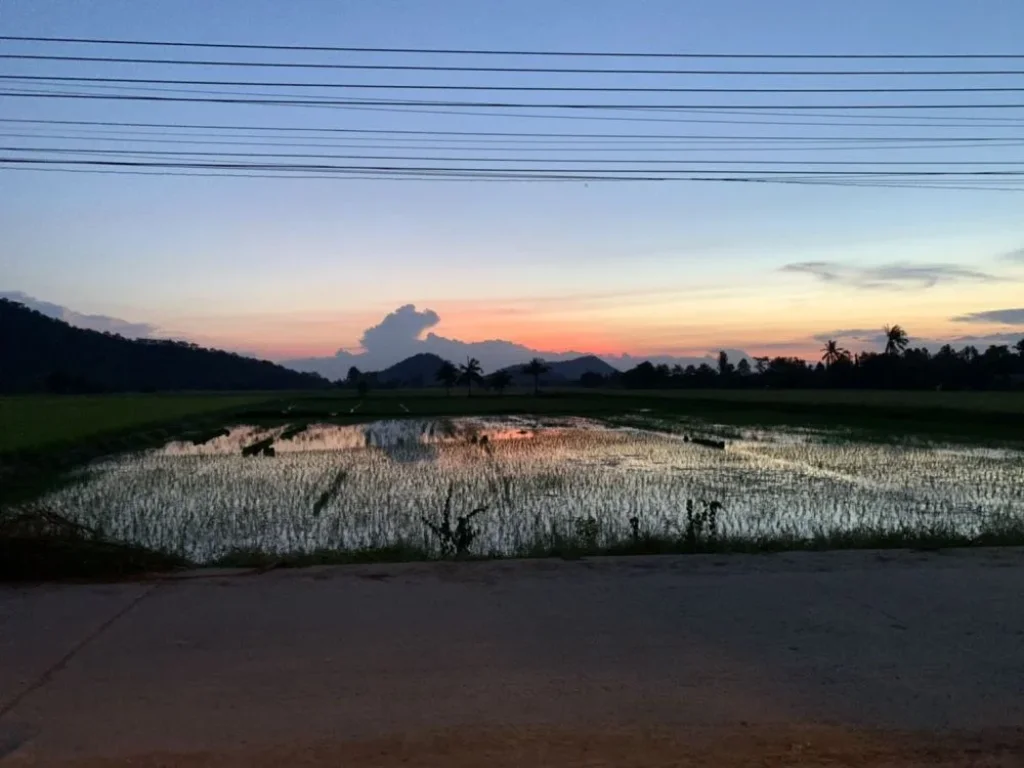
(471, 372)
(898, 366)
(39, 353)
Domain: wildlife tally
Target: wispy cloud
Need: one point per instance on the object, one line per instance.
(1016, 256)
(863, 335)
(1005, 316)
(894, 276)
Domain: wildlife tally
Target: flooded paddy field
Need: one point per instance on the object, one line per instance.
(520, 485)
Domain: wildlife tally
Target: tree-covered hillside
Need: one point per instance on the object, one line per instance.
(41, 354)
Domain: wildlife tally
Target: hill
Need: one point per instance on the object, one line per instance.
(564, 371)
(416, 371)
(39, 353)
(571, 370)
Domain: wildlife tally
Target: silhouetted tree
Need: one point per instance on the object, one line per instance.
(895, 339)
(743, 368)
(705, 376)
(499, 381)
(725, 368)
(591, 379)
(448, 375)
(353, 377)
(536, 368)
(469, 372)
(1019, 346)
(363, 387)
(832, 353)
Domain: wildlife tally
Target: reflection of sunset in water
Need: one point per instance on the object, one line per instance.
(372, 485)
(381, 434)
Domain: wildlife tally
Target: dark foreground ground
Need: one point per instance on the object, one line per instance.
(846, 658)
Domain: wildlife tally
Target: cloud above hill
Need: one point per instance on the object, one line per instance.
(103, 323)
(403, 333)
(401, 329)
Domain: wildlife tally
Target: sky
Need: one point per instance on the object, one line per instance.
(301, 268)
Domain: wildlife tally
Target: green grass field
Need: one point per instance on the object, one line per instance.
(966, 416)
(1001, 402)
(34, 422)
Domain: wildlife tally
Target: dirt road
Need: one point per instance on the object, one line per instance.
(856, 658)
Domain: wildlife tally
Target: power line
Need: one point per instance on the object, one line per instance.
(469, 145)
(538, 170)
(933, 121)
(502, 134)
(499, 52)
(413, 106)
(668, 143)
(517, 70)
(988, 120)
(973, 187)
(991, 121)
(325, 102)
(560, 161)
(500, 88)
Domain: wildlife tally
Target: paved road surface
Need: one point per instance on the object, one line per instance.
(855, 658)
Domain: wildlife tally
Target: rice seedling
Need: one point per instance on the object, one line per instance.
(550, 486)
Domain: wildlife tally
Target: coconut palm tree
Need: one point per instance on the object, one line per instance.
(469, 372)
(499, 381)
(895, 339)
(833, 353)
(448, 375)
(536, 368)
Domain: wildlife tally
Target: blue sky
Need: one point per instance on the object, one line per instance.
(302, 267)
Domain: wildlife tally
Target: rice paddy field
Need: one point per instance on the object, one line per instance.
(520, 485)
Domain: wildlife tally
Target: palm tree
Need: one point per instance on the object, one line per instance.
(833, 353)
(725, 368)
(448, 375)
(536, 368)
(895, 339)
(469, 372)
(499, 381)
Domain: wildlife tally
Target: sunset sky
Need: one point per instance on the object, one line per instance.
(301, 267)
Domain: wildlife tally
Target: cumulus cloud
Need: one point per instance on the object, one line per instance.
(1005, 316)
(103, 323)
(887, 276)
(399, 329)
